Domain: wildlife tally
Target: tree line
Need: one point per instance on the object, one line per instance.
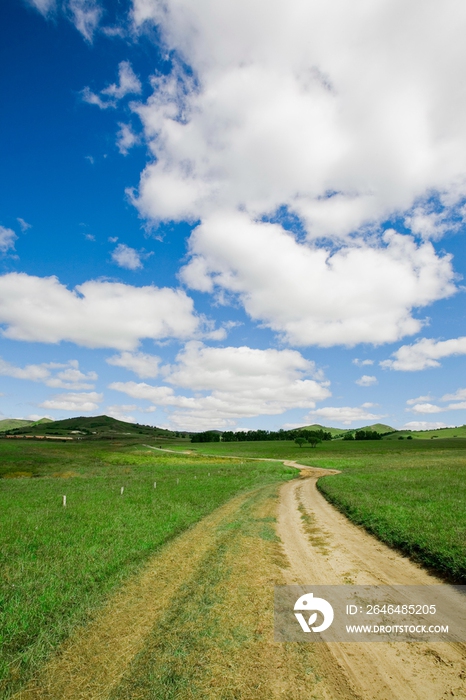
(260, 435)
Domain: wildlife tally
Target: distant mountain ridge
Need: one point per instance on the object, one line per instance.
(376, 427)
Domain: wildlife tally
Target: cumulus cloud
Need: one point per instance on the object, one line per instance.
(142, 364)
(274, 117)
(126, 138)
(85, 15)
(231, 383)
(433, 408)
(96, 314)
(279, 112)
(313, 296)
(122, 412)
(366, 380)
(459, 395)
(418, 399)
(128, 83)
(425, 353)
(127, 257)
(424, 425)
(344, 414)
(362, 363)
(84, 402)
(56, 375)
(7, 239)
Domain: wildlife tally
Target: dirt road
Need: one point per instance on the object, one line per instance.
(325, 548)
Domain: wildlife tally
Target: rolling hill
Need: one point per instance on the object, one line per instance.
(89, 427)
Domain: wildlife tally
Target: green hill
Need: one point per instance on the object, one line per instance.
(316, 426)
(90, 427)
(11, 423)
(440, 433)
(377, 427)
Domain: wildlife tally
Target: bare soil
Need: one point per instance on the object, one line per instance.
(334, 551)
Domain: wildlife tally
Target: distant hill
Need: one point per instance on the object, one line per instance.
(377, 427)
(316, 426)
(12, 423)
(89, 427)
(440, 433)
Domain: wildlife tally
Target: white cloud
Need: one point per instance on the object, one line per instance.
(127, 257)
(35, 373)
(459, 395)
(424, 425)
(45, 7)
(343, 414)
(366, 380)
(126, 138)
(122, 412)
(85, 15)
(279, 113)
(425, 353)
(274, 116)
(426, 407)
(433, 408)
(140, 363)
(362, 363)
(96, 314)
(79, 402)
(128, 83)
(309, 295)
(23, 224)
(231, 383)
(418, 399)
(70, 376)
(7, 239)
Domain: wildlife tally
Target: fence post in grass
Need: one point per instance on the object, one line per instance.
(64, 501)
(177, 481)
(122, 490)
(155, 484)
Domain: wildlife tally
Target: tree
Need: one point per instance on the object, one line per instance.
(300, 441)
(313, 441)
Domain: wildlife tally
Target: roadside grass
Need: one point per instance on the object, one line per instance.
(412, 498)
(58, 565)
(409, 493)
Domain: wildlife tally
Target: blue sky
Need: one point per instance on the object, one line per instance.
(233, 215)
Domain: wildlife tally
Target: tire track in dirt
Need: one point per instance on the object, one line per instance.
(334, 551)
(92, 662)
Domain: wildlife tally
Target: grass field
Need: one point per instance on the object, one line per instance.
(410, 493)
(59, 564)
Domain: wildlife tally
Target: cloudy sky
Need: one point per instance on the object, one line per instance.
(234, 214)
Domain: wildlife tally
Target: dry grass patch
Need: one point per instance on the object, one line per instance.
(215, 640)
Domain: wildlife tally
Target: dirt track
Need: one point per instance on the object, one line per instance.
(334, 551)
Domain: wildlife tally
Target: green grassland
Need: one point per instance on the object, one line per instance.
(59, 564)
(409, 493)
